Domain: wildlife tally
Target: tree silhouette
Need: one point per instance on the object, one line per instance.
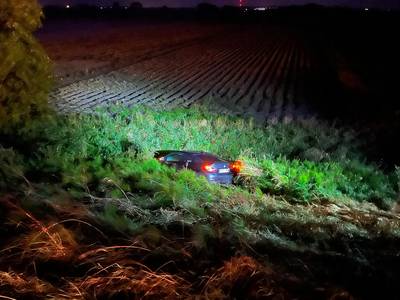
(136, 5)
(25, 69)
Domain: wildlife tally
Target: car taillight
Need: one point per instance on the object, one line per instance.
(209, 168)
(236, 166)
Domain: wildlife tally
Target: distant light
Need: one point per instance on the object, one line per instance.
(260, 8)
(67, 6)
(101, 7)
(366, 9)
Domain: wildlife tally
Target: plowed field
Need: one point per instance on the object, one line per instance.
(264, 72)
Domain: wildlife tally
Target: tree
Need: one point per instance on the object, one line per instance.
(25, 69)
(207, 7)
(207, 10)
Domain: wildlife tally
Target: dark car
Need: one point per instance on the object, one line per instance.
(215, 169)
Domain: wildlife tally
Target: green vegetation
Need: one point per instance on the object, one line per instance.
(110, 153)
(25, 69)
(107, 157)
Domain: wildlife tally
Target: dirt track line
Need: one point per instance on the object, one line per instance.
(223, 89)
(235, 86)
(290, 90)
(155, 83)
(257, 96)
(199, 77)
(61, 92)
(258, 77)
(245, 98)
(159, 52)
(90, 92)
(156, 89)
(218, 78)
(279, 85)
(265, 106)
(197, 74)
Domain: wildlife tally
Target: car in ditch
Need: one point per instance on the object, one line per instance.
(215, 169)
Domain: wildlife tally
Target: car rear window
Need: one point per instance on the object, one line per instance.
(206, 157)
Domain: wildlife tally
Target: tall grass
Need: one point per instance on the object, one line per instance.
(111, 152)
(145, 131)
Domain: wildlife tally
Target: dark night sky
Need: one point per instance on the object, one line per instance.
(177, 3)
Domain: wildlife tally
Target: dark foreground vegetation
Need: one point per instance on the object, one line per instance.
(87, 213)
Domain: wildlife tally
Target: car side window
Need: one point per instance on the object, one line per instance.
(173, 158)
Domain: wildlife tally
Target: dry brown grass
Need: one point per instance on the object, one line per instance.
(39, 240)
(112, 266)
(51, 243)
(22, 285)
(134, 283)
(111, 270)
(245, 277)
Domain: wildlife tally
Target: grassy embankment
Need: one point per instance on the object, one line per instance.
(73, 187)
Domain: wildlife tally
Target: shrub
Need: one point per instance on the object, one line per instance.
(25, 69)
(301, 180)
(366, 182)
(307, 181)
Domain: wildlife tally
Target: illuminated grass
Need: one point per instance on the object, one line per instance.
(110, 153)
(107, 160)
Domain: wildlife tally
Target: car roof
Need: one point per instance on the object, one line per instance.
(200, 153)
